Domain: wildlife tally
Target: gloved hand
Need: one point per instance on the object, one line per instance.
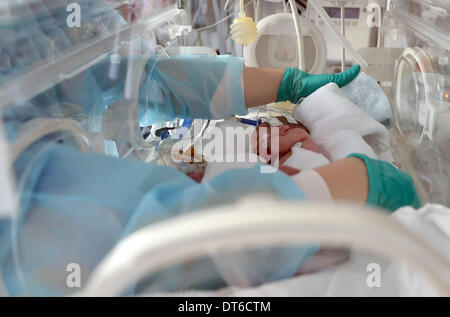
(390, 188)
(297, 84)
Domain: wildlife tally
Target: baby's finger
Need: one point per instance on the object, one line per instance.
(290, 171)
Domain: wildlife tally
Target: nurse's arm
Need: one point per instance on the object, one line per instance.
(347, 180)
(261, 85)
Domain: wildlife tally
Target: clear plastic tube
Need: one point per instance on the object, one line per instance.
(300, 44)
(343, 34)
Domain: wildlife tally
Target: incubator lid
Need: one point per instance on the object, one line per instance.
(275, 46)
(39, 49)
(427, 17)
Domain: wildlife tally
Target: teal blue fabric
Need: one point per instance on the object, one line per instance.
(297, 84)
(389, 188)
(170, 88)
(184, 87)
(76, 206)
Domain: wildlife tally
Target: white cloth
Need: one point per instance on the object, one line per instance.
(310, 182)
(304, 159)
(339, 127)
(430, 223)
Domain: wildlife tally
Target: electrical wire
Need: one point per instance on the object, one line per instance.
(218, 22)
(300, 43)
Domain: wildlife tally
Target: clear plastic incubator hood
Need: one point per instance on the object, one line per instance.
(420, 92)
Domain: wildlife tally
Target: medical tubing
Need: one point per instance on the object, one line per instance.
(298, 30)
(242, 8)
(225, 7)
(254, 224)
(343, 34)
(257, 10)
(218, 22)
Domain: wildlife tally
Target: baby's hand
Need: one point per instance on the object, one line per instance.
(290, 171)
(271, 143)
(196, 177)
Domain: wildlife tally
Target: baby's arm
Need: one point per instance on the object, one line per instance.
(345, 180)
(299, 135)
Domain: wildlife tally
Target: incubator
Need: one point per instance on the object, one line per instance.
(72, 94)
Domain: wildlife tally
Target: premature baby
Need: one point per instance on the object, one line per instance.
(295, 147)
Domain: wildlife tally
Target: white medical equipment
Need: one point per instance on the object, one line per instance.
(358, 31)
(415, 41)
(276, 45)
(273, 47)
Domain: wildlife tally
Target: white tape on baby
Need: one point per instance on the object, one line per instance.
(304, 159)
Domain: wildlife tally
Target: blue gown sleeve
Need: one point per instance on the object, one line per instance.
(201, 87)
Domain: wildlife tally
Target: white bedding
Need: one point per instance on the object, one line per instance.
(340, 127)
(431, 223)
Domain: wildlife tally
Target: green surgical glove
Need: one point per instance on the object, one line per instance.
(389, 188)
(297, 84)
